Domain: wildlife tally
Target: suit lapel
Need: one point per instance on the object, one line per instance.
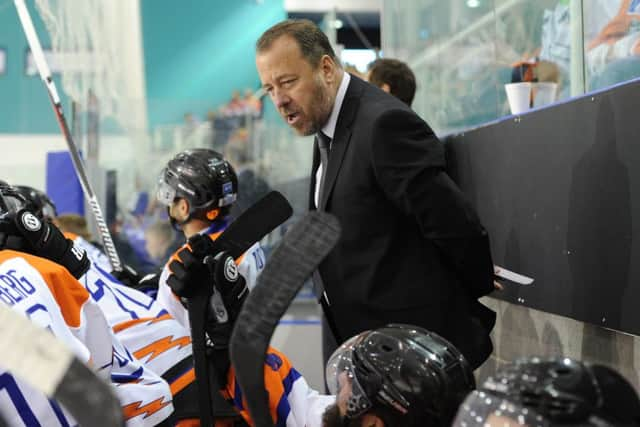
(341, 137)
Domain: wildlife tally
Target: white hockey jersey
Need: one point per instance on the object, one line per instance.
(143, 326)
(47, 294)
(250, 264)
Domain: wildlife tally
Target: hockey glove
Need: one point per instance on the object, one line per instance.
(43, 239)
(149, 284)
(198, 266)
(128, 276)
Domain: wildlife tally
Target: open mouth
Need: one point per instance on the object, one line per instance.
(292, 118)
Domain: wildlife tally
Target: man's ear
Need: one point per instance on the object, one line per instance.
(328, 67)
(183, 207)
(371, 420)
(385, 87)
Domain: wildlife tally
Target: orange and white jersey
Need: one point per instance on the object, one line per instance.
(291, 401)
(143, 326)
(250, 264)
(52, 298)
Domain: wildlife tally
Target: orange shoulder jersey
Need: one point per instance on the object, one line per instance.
(52, 298)
(250, 264)
(292, 402)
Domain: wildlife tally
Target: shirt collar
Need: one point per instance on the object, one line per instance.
(329, 128)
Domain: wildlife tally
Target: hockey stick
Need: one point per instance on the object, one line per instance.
(300, 252)
(249, 228)
(45, 75)
(34, 355)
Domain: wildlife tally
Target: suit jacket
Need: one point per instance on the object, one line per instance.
(412, 248)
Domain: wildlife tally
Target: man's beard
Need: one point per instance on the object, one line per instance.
(332, 418)
(321, 109)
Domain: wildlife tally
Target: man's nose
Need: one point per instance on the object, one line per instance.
(280, 99)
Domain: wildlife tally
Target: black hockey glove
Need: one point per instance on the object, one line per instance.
(149, 284)
(43, 239)
(197, 266)
(128, 276)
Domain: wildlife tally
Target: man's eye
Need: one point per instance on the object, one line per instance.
(288, 83)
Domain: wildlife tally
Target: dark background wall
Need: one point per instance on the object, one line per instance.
(559, 189)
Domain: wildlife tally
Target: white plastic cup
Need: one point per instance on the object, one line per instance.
(519, 96)
(544, 93)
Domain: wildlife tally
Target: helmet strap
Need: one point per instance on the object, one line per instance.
(175, 224)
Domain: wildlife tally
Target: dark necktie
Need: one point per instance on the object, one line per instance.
(324, 144)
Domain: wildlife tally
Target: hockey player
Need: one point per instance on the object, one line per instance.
(396, 376)
(199, 187)
(50, 295)
(552, 392)
(143, 326)
(293, 403)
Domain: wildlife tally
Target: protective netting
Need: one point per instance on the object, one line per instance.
(97, 50)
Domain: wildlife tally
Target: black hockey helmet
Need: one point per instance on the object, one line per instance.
(563, 391)
(414, 372)
(202, 177)
(11, 201)
(38, 201)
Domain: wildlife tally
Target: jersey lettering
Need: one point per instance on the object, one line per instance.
(258, 258)
(14, 289)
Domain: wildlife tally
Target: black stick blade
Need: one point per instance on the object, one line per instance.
(255, 223)
(300, 252)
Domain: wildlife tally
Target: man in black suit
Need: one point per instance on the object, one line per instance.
(412, 249)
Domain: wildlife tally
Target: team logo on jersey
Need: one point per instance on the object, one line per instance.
(230, 270)
(30, 222)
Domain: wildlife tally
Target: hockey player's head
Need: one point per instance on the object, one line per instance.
(397, 375)
(38, 202)
(549, 392)
(197, 184)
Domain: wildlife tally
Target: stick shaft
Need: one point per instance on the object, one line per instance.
(45, 75)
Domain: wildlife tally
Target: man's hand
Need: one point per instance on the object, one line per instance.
(128, 276)
(43, 239)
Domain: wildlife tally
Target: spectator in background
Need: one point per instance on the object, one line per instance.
(76, 224)
(613, 55)
(251, 186)
(161, 241)
(191, 123)
(394, 77)
(252, 104)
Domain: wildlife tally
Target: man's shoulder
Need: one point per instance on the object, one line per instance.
(373, 102)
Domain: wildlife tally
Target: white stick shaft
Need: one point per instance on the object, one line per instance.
(45, 75)
(36, 49)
